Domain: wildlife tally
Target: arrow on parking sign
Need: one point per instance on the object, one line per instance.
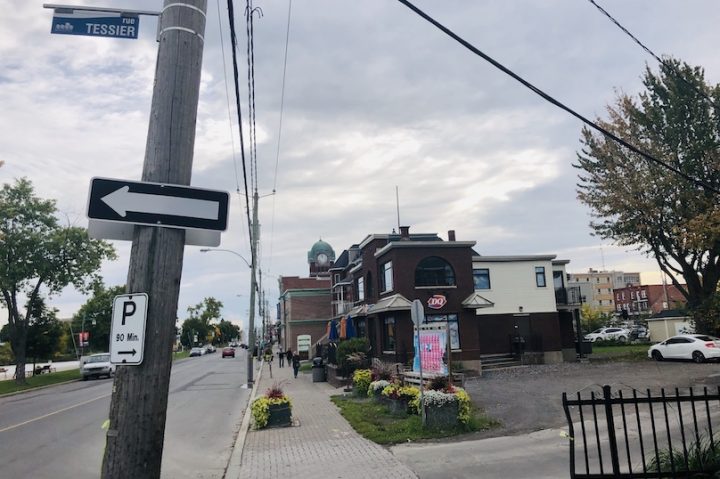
(128, 352)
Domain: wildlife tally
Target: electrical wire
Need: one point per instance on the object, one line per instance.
(277, 151)
(555, 102)
(227, 99)
(664, 63)
(236, 77)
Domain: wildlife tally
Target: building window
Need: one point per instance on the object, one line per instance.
(386, 278)
(337, 278)
(361, 289)
(434, 271)
(389, 334)
(442, 320)
(643, 294)
(540, 276)
(481, 278)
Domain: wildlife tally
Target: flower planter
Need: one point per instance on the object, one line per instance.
(398, 407)
(279, 415)
(442, 417)
(377, 395)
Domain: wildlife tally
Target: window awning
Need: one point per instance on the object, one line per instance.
(396, 302)
(475, 301)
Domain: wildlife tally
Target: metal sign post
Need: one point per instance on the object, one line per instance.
(417, 313)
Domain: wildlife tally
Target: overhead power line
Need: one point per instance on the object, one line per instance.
(555, 102)
(236, 77)
(666, 64)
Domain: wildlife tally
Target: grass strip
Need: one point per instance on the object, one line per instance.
(628, 352)
(40, 380)
(373, 421)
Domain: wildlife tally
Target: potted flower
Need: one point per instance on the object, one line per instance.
(375, 389)
(273, 409)
(361, 381)
(446, 406)
(399, 397)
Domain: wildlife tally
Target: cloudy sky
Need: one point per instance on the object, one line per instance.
(375, 98)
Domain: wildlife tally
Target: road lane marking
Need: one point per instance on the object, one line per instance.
(14, 426)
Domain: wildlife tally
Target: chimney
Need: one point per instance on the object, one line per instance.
(451, 235)
(404, 233)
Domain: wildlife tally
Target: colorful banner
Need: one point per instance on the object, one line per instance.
(432, 349)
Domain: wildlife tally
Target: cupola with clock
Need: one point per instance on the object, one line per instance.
(321, 257)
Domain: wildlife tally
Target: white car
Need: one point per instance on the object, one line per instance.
(605, 334)
(97, 365)
(698, 347)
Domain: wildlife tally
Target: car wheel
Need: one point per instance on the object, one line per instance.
(622, 339)
(85, 378)
(657, 355)
(698, 357)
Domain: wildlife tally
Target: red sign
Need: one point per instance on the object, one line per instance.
(437, 301)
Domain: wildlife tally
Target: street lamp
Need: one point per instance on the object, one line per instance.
(205, 250)
(253, 286)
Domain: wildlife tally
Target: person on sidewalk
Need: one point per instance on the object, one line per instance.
(296, 364)
(289, 355)
(281, 358)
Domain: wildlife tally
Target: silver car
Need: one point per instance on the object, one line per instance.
(97, 365)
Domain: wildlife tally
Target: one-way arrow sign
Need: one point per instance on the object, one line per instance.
(132, 353)
(158, 204)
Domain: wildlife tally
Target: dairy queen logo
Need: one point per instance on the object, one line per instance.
(437, 301)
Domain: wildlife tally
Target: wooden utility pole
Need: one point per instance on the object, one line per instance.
(140, 393)
(253, 289)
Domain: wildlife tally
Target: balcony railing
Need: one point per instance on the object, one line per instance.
(567, 296)
(342, 307)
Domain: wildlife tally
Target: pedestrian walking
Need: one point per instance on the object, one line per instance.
(289, 355)
(296, 364)
(281, 358)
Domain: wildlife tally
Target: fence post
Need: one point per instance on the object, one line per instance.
(607, 396)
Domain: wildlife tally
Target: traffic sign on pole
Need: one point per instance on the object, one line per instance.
(127, 334)
(158, 204)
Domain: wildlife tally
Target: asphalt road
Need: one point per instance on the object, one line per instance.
(56, 432)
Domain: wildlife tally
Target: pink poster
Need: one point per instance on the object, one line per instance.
(432, 350)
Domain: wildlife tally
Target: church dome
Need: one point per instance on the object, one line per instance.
(321, 247)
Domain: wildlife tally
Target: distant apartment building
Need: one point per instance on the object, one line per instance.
(597, 287)
(647, 299)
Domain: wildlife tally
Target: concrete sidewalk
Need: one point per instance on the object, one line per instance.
(320, 444)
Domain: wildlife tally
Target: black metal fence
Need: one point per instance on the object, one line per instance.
(641, 435)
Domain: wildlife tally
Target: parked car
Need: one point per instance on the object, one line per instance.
(605, 334)
(228, 352)
(196, 352)
(243, 345)
(97, 365)
(698, 347)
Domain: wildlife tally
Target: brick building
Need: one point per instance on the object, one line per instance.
(304, 306)
(648, 299)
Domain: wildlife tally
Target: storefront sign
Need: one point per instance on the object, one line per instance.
(303, 342)
(437, 301)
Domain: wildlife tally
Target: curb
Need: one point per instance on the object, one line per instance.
(232, 470)
(39, 388)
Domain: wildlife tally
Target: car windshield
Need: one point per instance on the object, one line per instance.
(103, 358)
(598, 331)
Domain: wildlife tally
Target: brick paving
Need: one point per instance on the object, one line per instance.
(319, 445)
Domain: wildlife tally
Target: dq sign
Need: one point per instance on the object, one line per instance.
(436, 301)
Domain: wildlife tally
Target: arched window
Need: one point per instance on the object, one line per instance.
(434, 271)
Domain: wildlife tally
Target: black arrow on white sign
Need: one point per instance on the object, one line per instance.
(133, 352)
(158, 204)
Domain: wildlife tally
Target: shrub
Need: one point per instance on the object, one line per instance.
(361, 380)
(347, 348)
(261, 406)
(383, 372)
(396, 391)
(436, 398)
(702, 456)
(439, 383)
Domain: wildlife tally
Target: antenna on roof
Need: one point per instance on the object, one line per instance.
(397, 206)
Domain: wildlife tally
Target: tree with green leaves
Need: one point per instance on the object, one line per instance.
(96, 315)
(38, 254)
(639, 203)
(199, 321)
(227, 332)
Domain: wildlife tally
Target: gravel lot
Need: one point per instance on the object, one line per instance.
(530, 398)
